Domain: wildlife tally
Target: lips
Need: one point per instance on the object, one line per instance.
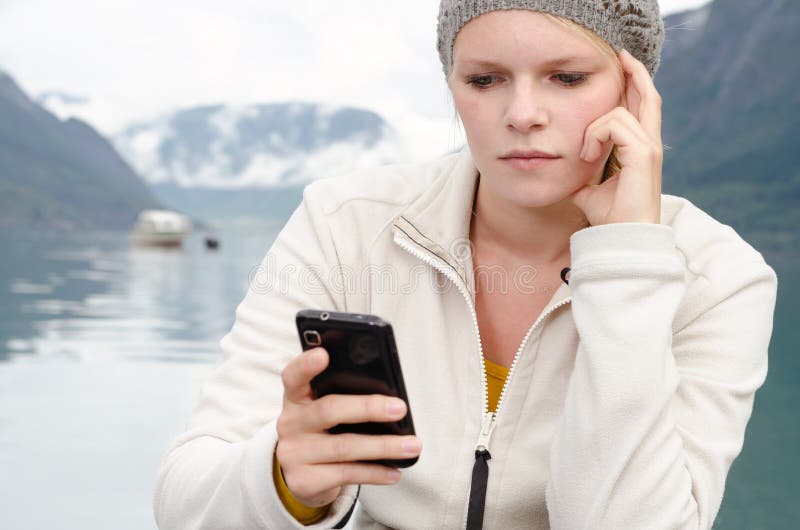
(528, 154)
(528, 160)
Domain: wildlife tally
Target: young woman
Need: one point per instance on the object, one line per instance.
(615, 396)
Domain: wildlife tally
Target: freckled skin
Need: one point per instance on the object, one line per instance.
(525, 107)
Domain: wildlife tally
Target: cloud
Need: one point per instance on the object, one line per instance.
(137, 58)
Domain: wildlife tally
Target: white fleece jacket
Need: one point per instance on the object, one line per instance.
(624, 409)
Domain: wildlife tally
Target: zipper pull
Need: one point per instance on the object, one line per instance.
(487, 428)
(477, 489)
(480, 475)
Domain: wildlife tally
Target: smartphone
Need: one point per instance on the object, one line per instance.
(363, 360)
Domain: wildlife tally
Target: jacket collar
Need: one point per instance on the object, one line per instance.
(439, 219)
(443, 211)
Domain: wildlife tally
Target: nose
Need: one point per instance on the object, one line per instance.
(527, 108)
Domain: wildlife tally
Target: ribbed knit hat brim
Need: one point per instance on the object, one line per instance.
(634, 25)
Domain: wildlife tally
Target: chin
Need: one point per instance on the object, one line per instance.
(531, 195)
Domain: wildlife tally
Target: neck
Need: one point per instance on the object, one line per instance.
(530, 234)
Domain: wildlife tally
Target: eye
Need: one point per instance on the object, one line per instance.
(571, 79)
(481, 81)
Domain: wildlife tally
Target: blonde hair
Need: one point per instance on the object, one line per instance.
(612, 164)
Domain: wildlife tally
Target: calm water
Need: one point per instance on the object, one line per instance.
(103, 349)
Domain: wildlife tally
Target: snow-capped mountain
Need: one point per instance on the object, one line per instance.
(256, 146)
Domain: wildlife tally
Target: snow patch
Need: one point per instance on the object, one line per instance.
(226, 121)
(64, 106)
(264, 171)
(142, 152)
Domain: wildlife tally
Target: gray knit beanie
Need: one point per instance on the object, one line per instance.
(635, 25)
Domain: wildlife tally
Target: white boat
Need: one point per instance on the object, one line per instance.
(163, 228)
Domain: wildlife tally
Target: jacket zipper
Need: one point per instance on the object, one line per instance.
(489, 419)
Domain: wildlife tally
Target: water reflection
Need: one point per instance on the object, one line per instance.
(97, 296)
(103, 348)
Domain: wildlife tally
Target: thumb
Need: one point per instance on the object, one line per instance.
(297, 375)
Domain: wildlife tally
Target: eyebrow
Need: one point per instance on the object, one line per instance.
(553, 63)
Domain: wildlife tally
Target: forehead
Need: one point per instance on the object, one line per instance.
(520, 34)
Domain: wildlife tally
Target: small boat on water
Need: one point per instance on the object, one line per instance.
(212, 243)
(161, 228)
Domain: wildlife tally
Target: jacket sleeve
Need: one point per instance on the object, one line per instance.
(654, 416)
(218, 474)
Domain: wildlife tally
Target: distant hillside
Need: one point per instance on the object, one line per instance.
(730, 81)
(60, 174)
(221, 161)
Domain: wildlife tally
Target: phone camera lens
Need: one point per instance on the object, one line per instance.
(312, 337)
(324, 315)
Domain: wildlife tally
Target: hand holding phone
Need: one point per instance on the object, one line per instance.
(316, 463)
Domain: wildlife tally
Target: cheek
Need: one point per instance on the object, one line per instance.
(476, 115)
(469, 107)
(586, 111)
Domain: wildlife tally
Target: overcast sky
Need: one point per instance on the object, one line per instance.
(133, 59)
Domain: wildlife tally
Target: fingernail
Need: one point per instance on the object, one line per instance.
(393, 475)
(395, 406)
(411, 446)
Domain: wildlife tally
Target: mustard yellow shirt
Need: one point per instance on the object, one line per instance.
(495, 378)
